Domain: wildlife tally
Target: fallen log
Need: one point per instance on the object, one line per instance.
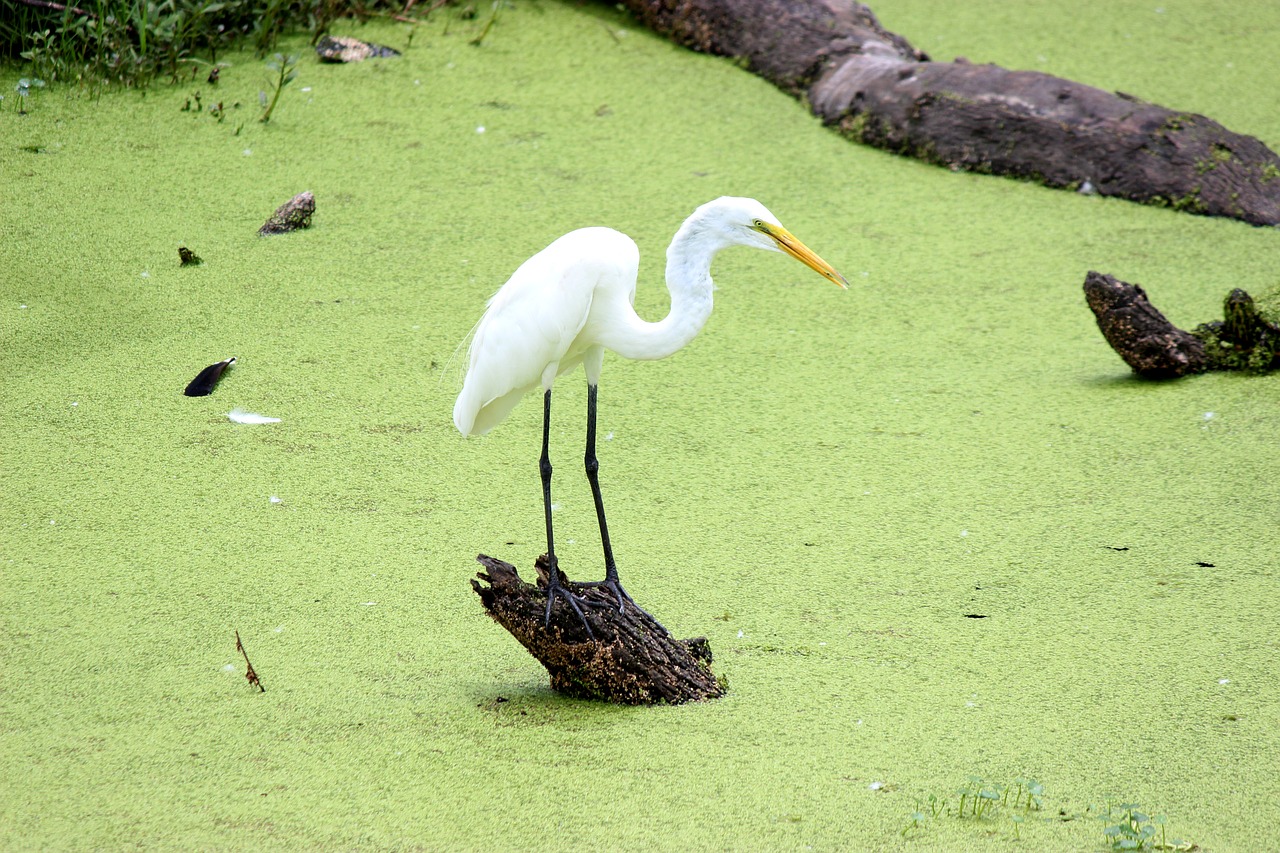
(1247, 338)
(874, 87)
(628, 658)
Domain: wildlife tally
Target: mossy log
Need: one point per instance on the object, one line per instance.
(346, 49)
(876, 88)
(1247, 338)
(632, 660)
(291, 216)
(1148, 343)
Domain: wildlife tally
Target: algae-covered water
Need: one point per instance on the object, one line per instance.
(831, 486)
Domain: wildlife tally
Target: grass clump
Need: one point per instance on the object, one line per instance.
(1125, 825)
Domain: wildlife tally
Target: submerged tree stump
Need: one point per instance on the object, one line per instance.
(875, 87)
(1247, 338)
(1150, 344)
(632, 660)
(347, 49)
(292, 215)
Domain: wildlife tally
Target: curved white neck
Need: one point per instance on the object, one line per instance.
(689, 281)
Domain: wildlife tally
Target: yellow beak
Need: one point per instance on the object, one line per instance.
(790, 244)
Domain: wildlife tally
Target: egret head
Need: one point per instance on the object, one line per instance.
(747, 222)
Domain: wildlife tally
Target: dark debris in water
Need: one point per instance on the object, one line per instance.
(207, 379)
(346, 49)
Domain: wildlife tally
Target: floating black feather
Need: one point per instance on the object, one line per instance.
(205, 380)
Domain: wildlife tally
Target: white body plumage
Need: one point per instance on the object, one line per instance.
(574, 299)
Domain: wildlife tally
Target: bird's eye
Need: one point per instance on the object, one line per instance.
(756, 223)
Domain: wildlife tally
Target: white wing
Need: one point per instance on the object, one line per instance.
(530, 330)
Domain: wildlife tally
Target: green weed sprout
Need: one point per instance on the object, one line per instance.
(1129, 828)
(286, 70)
(916, 817)
(983, 801)
(24, 91)
(1028, 796)
(980, 798)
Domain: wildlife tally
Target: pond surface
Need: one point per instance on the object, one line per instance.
(931, 526)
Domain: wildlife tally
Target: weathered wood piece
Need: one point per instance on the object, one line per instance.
(1247, 338)
(875, 87)
(631, 661)
(1150, 344)
(347, 49)
(292, 215)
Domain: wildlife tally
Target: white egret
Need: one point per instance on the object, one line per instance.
(573, 300)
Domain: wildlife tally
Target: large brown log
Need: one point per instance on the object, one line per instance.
(874, 87)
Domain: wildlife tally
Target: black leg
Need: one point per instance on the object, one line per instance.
(554, 587)
(593, 476)
(610, 581)
(544, 466)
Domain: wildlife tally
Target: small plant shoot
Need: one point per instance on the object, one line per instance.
(24, 87)
(1127, 827)
(979, 800)
(285, 71)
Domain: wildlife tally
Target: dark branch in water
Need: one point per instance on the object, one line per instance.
(1247, 338)
(250, 675)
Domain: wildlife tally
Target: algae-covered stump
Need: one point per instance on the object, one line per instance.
(1138, 332)
(1247, 338)
(632, 660)
(293, 215)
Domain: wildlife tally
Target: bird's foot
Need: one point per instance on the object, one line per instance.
(555, 584)
(624, 599)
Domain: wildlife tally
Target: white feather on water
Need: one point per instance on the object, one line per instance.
(240, 416)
